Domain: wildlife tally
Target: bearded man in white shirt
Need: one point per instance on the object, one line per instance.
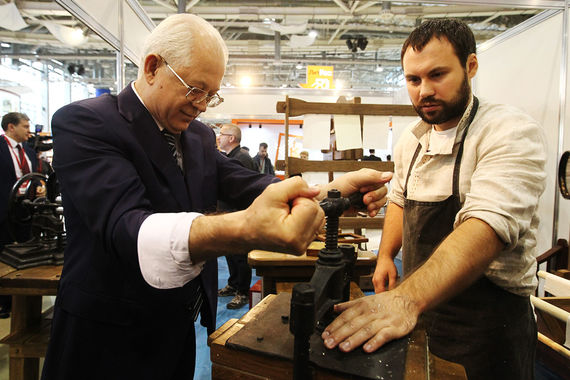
(463, 207)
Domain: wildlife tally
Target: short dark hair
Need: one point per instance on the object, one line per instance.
(456, 32)
(263, 145)
(13, 118)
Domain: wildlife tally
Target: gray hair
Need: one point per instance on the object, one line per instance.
(176, 36)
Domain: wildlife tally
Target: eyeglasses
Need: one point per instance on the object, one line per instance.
(225, 134)
(198, 95)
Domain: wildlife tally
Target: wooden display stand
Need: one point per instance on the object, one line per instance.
(276, 267)
(296, 107)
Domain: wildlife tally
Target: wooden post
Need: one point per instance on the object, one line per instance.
(286, 153)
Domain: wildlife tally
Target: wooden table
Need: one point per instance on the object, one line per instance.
(274, 267)
(231, 363)
(29, 329)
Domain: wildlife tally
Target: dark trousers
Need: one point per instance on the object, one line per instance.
(240, 273)
(92, 350)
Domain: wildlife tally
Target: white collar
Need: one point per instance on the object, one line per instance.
(13, 142)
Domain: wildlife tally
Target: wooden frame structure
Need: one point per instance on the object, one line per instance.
(296, 107)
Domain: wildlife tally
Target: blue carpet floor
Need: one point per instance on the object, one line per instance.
(203, 363)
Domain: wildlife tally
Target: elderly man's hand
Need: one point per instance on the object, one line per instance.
(285, 217)
(368, 181)
(372, 321)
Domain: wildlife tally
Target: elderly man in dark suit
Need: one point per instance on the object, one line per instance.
(138, 177)
(16, 160)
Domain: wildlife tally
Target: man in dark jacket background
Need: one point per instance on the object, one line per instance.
(16, 160)
(262, 162)
(239, 280)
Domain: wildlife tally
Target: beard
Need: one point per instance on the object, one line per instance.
(449, 110)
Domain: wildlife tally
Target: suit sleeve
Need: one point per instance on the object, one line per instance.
(239, 186)
(98, 181)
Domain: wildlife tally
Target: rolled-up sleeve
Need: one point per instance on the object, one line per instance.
(162, 244)
(509, 176)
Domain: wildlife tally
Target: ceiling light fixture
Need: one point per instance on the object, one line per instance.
(299, 66)
(245, 81)
(313, 34)
(379, 68)
(358, 43)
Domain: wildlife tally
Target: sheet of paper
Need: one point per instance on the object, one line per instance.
(347, 130)
(316, 131)
(375, 132)
(399, 124)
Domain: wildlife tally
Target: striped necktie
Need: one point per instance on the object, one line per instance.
(171, 140)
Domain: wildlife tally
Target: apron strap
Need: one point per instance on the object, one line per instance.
(410, 169)
(460, 151)
(457, 159)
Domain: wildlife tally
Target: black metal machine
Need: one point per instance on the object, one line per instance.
(35, 221)
(312, 305)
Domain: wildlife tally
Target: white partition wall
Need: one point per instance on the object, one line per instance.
(524, 70)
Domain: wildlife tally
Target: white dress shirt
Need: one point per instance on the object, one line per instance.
(162, 245)
(15, 158)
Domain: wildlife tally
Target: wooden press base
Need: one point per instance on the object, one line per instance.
(229, 363)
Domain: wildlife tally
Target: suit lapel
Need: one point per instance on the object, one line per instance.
(7, 157)
(148, 135)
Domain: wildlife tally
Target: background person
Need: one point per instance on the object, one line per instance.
(371, 156)
(239, 279)
(16, 160)
(262, 161)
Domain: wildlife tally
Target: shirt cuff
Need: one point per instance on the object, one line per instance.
(162, 246)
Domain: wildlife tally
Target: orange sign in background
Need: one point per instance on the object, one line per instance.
(319, 77)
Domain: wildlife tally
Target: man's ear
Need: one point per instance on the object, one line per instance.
(472, 65)
(152, 62)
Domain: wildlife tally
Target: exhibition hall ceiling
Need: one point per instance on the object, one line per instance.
(272, 41)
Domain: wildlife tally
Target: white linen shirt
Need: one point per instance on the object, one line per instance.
(501, 179)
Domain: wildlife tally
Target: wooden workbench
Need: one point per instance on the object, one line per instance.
(232, 363)
(274, 267)
(29, 329)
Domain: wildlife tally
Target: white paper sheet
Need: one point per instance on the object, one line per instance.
(347, 130)
(316, 131)
(375, 132)
(399, 124)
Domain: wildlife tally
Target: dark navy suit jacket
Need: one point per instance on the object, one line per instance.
(115, 170)
(8, 179)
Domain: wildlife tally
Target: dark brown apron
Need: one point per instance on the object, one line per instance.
(488, 330)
